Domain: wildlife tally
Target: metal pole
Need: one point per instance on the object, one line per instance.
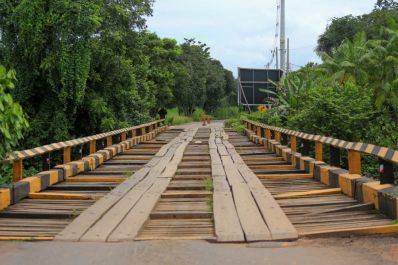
(277, 59)
(288, 57)
(283, 38)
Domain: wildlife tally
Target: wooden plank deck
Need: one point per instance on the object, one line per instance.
(312, 207)
(191, 183)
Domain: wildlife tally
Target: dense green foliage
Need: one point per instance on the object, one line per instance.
(88, 66)
(347, 27)
(12, 118)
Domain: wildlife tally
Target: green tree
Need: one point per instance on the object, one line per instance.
(12, 118)
(347, 27)
(53, 46)
(345, 63)
(339, 30)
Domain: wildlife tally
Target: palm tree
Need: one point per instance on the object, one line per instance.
(382, 65)
(345, 63)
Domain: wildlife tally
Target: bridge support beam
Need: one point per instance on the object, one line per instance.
(93, 147)
(318, 151)
(354, 162)
(17, 170)
(293, 143)
(67, 154)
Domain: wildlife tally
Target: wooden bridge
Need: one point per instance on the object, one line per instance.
(152, 182)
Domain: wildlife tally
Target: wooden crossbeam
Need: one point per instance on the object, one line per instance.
(95, 179)
(58, 196)
(285, 176)
(308, 193)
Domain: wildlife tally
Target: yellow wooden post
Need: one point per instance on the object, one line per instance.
(143, 131)
(93, 146)
(293, 143)
(258, 131)
(278, 136)
(109, 140)
(67, 154)
(17, 170)
(133, 133)
(318, 151)
(123, 136)
(268, 133)
(354, 162)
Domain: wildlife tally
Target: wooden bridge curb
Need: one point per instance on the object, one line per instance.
(25, 187)
(384, 197)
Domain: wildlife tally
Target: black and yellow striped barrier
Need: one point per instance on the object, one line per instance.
(384, 153)
(18, 155)
(383, 194)
(21, 187)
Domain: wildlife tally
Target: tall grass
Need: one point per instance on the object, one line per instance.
(224, 113)
(197, 115)
(174, 118)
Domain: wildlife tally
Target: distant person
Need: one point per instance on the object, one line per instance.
(162, 113)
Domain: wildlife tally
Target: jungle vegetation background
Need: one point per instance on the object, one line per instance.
(80, 67)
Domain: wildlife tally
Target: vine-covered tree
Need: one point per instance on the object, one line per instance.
(12, 119)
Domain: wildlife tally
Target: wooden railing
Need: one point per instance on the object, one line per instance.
(387, 157)
(17, 157)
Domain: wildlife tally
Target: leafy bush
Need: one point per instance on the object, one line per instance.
(225, 113)
(197, 115)
(236, 124)
(174, 118)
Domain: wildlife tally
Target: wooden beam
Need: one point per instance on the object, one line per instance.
(67, 154)
(278, 136)
(285, 176)
(17, 170)
(95, 179)
(372, 230)
(307, 193)
(109, 141)
(318, 151)
(58, 196)
(133, 133)
(354, 162)
(26, 238)
(258, 131)
(293, 143)
(93, 146)
(123, 137)
(143, 130)
(268, 133)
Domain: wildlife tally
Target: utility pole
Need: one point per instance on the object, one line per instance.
(277, 58)
(283, 38)
(288, 57)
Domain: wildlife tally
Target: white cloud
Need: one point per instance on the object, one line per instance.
(241, 33)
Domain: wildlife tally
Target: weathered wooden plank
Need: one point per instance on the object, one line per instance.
(250, 218)
(75, 230)
(131, 225)
(308, 193)
(226, 221)
(102, 229)
(276, 220)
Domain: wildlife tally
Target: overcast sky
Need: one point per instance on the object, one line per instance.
(241, 33)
